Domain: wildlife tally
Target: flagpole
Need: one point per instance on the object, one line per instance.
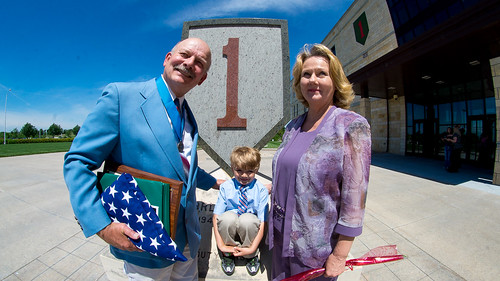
(5, 119)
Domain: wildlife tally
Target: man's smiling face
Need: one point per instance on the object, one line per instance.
(186, 65)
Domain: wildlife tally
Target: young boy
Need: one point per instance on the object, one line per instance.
(240, 212)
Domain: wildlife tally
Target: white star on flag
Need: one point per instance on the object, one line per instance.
(125, 213)
(154, 243)
(112, 191)
(160, 223)
(126, 196)
(134, 182)
(112, 207)
(141, 235)
(140, 219)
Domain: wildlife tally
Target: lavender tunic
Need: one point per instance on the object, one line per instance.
(320, 180)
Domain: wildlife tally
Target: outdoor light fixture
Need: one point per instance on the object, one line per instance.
(439, 82)
(426, 77)
(474, 62)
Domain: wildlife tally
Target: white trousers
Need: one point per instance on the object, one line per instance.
(179, 271)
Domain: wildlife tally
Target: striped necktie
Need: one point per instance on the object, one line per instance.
(178, 123)
(179, 109)
(243, 201)
(185, 162)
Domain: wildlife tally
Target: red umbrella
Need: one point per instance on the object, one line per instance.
(378, 255)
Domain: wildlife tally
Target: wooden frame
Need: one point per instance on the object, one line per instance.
(175, 188)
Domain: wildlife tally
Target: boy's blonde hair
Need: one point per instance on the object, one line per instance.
(245, 158)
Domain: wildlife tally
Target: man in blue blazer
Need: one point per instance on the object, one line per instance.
(133, 124)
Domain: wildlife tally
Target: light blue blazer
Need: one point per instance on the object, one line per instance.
(129, 125)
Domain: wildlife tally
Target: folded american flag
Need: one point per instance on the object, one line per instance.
(124, 202)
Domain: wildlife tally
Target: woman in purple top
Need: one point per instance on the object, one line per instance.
(320, 172)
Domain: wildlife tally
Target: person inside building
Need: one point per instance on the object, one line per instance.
(147, 126)
(320, 172)
(448, 147)
(457, 144)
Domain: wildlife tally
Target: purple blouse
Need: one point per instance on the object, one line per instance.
(320, 179)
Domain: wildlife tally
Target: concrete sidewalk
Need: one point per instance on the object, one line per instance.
(446, 224)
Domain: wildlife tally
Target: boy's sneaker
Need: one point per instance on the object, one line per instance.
(227, 264)
(253, 265)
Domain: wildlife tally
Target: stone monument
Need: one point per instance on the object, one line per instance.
(245, 99)
(244, 102)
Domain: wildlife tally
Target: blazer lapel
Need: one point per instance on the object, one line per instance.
(157, 119)
(193, 169)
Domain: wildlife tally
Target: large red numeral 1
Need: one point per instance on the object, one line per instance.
(231, 120)
(361, 29)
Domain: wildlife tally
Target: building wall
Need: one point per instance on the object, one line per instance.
(495, 72)
(377, 119)
(382, 120)
(380, 40)
(379, 125)
(397, 125)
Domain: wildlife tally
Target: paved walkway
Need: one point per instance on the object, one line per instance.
(446, 224)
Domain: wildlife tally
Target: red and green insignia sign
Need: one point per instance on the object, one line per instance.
(361, 29)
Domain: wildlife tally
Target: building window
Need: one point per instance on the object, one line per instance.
(410, 16)
(459, 112)
(490, 105)
(445, 114)
(475, 107)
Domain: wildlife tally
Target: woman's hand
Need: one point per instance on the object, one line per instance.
(334, 266)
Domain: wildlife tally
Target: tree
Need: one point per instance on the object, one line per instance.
(14, 134)
(29, 130)
(76, 129)
(54, 129)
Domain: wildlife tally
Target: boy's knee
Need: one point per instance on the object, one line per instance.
(248, 220)
(227, 219)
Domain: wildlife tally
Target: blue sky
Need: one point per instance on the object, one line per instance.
(56, 56)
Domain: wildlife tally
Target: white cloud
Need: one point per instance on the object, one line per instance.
(215, 9)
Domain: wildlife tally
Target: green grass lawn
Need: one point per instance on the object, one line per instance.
(273, 144)
(7, 150)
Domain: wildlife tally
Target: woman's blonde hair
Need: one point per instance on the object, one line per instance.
(343, 95)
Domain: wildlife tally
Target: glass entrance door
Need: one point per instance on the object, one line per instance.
(424, 138)
(418, 137)
(481, 140)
